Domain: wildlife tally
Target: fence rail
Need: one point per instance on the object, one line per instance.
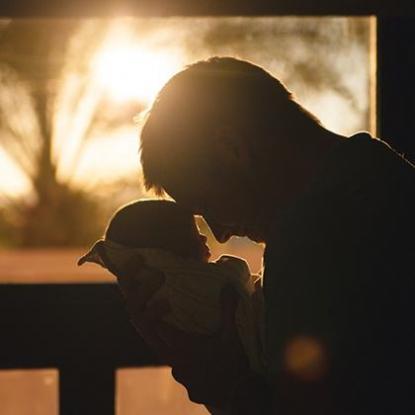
(83, 330)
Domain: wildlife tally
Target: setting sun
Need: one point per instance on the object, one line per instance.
(128, 71)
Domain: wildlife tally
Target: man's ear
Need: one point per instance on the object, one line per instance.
(231, 147)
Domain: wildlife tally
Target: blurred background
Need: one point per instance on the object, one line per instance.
(71, 95)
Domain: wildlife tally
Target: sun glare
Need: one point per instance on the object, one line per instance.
(129, 72)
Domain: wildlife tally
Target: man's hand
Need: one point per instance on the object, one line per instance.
(138, 288)
(208, 366)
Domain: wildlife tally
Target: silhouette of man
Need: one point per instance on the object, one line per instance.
(228, 141)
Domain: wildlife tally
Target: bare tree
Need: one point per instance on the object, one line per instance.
(50, 107)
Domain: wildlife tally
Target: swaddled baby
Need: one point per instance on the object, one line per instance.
(165, 237)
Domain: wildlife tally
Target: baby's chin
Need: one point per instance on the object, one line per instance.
(206, 254)
(206, 257)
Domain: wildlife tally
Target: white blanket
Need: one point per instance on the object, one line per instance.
(193, 289)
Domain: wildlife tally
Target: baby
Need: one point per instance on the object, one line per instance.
(165, 237)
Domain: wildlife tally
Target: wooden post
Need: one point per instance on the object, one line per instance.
(396, 83)
(87, 388)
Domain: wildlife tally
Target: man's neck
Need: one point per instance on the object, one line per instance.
(293, 173)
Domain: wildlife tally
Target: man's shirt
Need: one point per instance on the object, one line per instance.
(338, 284)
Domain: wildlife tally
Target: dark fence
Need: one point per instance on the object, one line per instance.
(83, 330)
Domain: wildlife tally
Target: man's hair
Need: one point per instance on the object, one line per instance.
(218, 92)
(160, 224)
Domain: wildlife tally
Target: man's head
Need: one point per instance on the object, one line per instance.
(158, 224)
(223, 138)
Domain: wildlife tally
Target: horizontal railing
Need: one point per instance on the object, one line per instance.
(82, 330)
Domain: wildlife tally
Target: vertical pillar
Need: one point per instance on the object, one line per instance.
(87, 388)
(396, 83)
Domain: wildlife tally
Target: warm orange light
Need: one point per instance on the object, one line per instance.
(129, 71)
(305, 358)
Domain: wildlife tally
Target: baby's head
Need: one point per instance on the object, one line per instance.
(158, 224)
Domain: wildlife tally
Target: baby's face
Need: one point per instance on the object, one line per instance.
(199, 244)
(204, 249)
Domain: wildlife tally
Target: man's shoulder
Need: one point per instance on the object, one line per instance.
(362, 195)
(371, 179)
(368, 157)
(362, 173)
